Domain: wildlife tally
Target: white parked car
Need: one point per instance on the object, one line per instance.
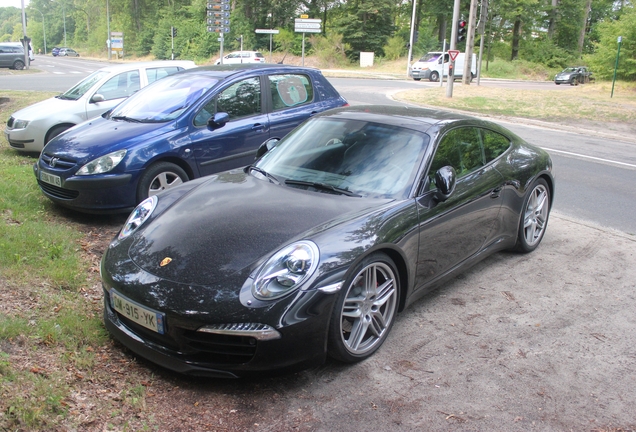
(30, 128)
(238, 57)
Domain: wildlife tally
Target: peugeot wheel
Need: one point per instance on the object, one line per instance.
(159, 177)
(365, 311)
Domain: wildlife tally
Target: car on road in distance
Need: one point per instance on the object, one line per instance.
(574, 76)
(56, 51)
(67, 52)
(240, 57)
(315, 248)
(12, 55)
(188, 125)
(30, 128)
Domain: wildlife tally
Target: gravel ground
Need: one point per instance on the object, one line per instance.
(538, 342)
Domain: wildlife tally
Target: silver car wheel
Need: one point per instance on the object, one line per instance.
(536, 215)
(163, 181)
(368, 309)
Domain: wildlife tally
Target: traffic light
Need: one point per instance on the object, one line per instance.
(416, 36)
(461, 30)
(174, 32)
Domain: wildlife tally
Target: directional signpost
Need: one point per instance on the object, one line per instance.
(303, 25)
(218, 19)
(270, 32)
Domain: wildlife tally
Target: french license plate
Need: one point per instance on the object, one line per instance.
(50, 179)
(143, 316)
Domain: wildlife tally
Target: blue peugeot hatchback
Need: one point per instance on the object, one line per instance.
(190, 124)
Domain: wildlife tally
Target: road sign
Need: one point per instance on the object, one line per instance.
(218, 7)
(267, 31)
(218, 22)
(453, 54)
(218, 29)
(307, 25)
(218, 14)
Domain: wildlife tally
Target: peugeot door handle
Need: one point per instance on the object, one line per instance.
(258, 127)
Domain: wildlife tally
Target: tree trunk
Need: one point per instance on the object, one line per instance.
(441, 27)
(588, 6)
(553, 16)
(516, 35)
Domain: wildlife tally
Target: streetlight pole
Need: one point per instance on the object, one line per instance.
(43, 29)
(64, 17)
(108, 41)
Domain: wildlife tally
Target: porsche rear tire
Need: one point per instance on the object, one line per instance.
(365, 310)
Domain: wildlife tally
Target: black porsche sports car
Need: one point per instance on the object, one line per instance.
(314, 249)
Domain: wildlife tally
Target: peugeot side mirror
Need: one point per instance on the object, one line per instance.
(218, 120)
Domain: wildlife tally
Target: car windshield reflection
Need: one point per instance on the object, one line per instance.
(351, 157)
(165, 99)
(79, 89)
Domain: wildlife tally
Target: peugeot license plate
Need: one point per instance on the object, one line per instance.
(50, 179)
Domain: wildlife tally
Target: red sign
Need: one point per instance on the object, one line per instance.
(453, 54)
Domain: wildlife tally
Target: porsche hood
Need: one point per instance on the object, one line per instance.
(226, 224)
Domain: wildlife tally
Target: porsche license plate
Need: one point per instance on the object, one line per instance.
(50, 179)
(143, 316)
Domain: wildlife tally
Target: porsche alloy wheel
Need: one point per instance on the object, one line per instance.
(365, 311)
(534, 220)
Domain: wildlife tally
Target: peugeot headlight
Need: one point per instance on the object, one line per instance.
(102, 164)
(286, 270)
(20, 124)
(138, 216)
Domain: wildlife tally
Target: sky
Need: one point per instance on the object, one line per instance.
(14, 3)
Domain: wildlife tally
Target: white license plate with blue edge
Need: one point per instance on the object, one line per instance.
(50, 179)
(141, 315)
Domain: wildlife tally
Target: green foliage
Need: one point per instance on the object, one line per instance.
(394, 48)
(546, 52)
(603, 60)
(331, 50)
(570, 17)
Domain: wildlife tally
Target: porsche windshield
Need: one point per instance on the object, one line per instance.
(351, 157)
(165, 99)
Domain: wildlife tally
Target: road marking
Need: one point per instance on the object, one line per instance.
(59, 73)
(590, 157)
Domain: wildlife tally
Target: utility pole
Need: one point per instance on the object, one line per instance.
(453, 46)
(408, 60)
(481, 28)
(108, 41)
(25, 42)
(470, 42)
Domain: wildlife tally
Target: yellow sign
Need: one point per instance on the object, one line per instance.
(303, 16)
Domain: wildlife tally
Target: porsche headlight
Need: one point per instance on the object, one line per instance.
(20, 124)
(286, 270)
(102, 164)
(138, 216)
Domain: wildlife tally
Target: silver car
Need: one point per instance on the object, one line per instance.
(29, 129)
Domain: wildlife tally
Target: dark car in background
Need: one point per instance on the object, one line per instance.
(187, 125)
(574, 76)
(315, 248)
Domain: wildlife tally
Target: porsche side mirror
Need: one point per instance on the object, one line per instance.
(218, 120)
(97, 98)
(266, 146)
(445, 180)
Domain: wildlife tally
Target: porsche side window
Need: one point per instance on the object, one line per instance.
(290, 90)
(495, 144)
(241, 99)
(460, 148)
